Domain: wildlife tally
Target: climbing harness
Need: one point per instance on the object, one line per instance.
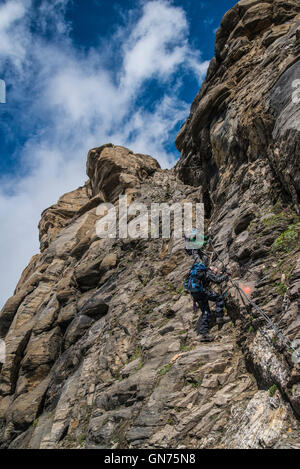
(292, 346)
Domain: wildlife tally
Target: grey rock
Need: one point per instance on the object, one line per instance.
(76, 329)
(95, 307)
(101, 347)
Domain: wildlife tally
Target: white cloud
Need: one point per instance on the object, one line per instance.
(156, 45)
(75, 101)
(197, 66)
(151, 129)
(13, 40)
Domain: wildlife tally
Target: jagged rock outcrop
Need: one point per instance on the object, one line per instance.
(101, 350)
(241, 143)
(244, 111)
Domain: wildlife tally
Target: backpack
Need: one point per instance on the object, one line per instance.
(194, 280)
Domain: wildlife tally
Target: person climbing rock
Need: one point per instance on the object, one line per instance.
(198, 283)
(202, 299)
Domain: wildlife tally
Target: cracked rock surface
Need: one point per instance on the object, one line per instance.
(101, 348)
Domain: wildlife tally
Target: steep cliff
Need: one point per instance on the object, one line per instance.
(101, 350)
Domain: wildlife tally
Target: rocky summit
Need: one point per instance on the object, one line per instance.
(101, 347)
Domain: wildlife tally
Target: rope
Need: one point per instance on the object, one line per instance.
(286, 341)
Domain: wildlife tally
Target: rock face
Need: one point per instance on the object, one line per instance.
(101, 350)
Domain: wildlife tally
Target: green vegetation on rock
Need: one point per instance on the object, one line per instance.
(288, 240)
(272, 390)
(165, 369)
(281, 288)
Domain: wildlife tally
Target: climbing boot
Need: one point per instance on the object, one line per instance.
(222, 321)
(206, 338)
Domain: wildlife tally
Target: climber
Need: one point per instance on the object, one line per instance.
(197, 283)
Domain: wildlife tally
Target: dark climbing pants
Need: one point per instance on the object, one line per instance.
(202, 300)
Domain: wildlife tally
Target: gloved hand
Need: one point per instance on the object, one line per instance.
(224, 271)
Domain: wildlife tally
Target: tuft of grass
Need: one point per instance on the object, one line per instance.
(183, 347)
(171, 421)
(136, 354)
(281, 288)
(272, 390)
(197, 383)
(82, 438)
(140, 365)
(144, 281)
(165, 369)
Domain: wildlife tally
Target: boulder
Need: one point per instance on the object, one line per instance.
(95, 307)
(109, 262)
(112, 169)
(76, 330)
(257, 18)
(25, 408)
(88, 273)
(42, 349)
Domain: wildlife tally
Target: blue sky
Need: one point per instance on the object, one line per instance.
(80, 73)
